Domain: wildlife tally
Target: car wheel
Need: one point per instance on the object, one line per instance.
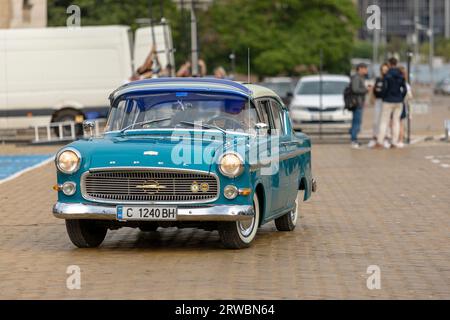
(148, 227)
(288, 221)
(240, 234)
(85, 233)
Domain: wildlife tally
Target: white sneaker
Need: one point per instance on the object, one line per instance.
(372, 143)
(355, 145)
(400, 145)
(386, 144)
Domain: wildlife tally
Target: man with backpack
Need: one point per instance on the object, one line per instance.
(394, 92)
(356, 104)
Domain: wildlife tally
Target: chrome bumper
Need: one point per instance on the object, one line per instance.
(102, 212)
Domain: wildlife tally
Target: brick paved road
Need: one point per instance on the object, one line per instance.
(385, 208)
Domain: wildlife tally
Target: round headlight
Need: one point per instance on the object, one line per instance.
(231, 165)
(68, 161)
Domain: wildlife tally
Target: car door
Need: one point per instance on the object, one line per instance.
(281, 138)
(268, 176)
(269, 147)
(291, 148)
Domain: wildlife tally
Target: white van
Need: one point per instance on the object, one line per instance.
(62, 74)
(57, 74)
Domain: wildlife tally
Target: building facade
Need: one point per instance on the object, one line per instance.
(23, 13)
(398, 17)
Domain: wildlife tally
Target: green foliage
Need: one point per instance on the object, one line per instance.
(441, 48)
(284, 36)
(105, 12)
(362, 49)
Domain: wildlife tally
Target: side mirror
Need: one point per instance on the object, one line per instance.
(261, 126)
(88, 126)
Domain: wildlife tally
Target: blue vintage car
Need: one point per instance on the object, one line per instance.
(206, 153)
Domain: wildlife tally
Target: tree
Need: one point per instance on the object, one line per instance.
(441, 49)
(282, 35)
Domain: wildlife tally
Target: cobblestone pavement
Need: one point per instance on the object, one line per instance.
(385, 208)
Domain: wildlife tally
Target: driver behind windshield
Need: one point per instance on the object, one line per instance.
(172, 111)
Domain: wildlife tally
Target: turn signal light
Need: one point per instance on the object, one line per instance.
(245, 191)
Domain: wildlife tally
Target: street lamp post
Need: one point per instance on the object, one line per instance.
(194, 43)
(233, 64)
(408, 111)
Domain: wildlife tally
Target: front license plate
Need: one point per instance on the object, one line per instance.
(146, 213)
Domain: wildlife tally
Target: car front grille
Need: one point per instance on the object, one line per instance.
(149, 185)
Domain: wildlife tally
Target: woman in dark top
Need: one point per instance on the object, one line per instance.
(377, 94)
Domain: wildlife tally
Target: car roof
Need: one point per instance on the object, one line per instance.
(261, 91)
(193, 84)
(326, 77)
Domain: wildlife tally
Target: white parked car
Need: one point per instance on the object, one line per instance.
(306, 104)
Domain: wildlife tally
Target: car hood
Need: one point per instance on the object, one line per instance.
(153, 151)
(331, 100)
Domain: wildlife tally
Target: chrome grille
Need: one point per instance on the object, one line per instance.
(156, 185)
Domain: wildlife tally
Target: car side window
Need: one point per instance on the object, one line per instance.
(277, 117)
(261, 108)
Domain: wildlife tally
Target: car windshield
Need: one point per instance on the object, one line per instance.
(182, 110)
(328, 87)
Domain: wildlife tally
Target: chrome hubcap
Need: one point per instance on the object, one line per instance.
(246, 227)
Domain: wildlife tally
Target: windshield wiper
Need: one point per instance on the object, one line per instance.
(143, 123)
(205, 126)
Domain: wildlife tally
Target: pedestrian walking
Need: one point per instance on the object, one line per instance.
(394, 92)
(377, 93)
(359, 91)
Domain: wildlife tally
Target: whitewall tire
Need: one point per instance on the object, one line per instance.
(240, 234)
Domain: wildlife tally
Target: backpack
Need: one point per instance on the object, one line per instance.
(378, 88)
(350, 99)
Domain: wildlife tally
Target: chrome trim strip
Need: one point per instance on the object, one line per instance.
(183, 130)
(175, 170)
(208, 213)
(294, 154)
(256, 166)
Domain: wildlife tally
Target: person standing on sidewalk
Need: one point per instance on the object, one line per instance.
(359, 90)
(394, 92)
(406, 102)
(378, 103)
